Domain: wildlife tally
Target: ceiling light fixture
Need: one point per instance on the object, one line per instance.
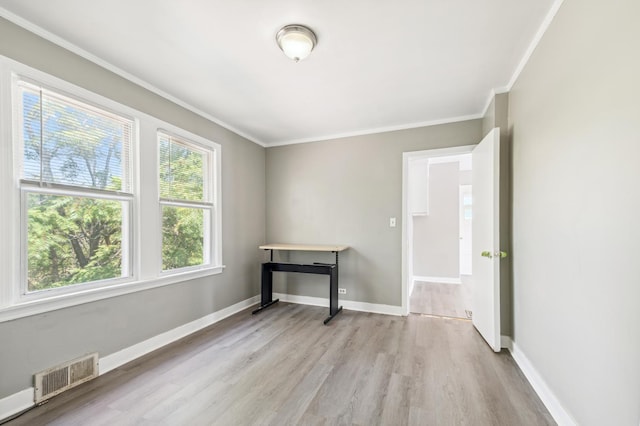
(296, 41)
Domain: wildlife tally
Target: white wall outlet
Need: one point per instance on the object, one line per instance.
(342, 291)
(392, 222)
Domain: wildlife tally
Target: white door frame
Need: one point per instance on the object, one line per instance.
(406, 214)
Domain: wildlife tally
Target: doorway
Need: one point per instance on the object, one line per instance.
(438, 213)
(486, 252)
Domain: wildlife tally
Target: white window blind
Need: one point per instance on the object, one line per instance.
(68, 142)
(183, 170)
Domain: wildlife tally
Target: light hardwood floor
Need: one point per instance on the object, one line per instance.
(284, 367)
(446, 300)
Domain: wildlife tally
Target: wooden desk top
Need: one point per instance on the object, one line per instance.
(304, 247)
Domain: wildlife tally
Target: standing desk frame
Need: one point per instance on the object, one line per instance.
(330, 269)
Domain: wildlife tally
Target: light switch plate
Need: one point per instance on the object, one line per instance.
(392, 222)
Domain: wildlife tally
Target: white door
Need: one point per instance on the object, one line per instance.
(485, 238)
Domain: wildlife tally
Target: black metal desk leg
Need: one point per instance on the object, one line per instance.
(334, 309)
(266, 288)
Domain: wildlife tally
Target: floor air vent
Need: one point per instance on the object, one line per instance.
(58, 379)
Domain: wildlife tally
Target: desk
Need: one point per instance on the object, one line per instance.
(330, 269)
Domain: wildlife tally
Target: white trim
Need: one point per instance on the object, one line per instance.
(534, 43)
(14, 305)
(439, 280)
(549, 399)
(126, 355)
(29, 26)
(212, 242)
(15, 403)
(406, 268)
(53, 303)
(525, 58)
(439, 152)
(350, 305)
(374, 308)
(92, 98)
(377, 130)
(492, 93)
(9, 217)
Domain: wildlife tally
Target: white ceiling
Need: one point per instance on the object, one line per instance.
(378, 65)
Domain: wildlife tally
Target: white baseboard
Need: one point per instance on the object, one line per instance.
(549, 399)
(13, 404)
(375, 308)
(17, 402)
(351, 305)
(442, 280)
(125, 355)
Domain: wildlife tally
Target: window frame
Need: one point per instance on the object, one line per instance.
(32, 186)
(127, 257)
(144, 270)
(209, 204)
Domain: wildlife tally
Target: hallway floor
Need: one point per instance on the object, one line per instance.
(444, 300)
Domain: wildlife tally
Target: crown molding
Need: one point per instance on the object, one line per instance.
(527, 55)
(107, 65)
(41, 32)
(534, 43)
(492, 93)
(376, 130)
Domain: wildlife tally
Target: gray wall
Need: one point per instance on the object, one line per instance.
(497, 115)
(436, 237)
(574, 114)
(344, 191)
(34, 343)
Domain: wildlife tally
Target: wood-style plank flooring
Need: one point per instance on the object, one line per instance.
(284, 367)
(445, 300)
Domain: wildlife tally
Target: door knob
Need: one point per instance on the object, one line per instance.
(498, 254)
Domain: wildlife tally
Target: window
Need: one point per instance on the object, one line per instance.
(100, 199)
(466, 204)
(75, 189)
(185, 200)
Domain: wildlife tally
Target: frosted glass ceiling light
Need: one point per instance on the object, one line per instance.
(296, 41)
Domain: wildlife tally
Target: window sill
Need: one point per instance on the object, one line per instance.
(34, 307)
